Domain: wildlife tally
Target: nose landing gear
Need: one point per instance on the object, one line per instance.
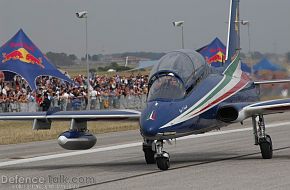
(162, 157)
(153, 152)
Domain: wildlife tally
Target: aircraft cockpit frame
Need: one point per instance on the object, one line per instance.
(187, 66)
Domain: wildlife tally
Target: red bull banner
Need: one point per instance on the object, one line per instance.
(21, 57)
(214, 53)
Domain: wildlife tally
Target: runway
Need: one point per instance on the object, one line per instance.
(225, 159)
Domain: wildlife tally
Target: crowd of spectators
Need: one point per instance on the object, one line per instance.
(105, 92)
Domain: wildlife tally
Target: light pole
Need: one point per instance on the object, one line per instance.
(180, 24)
(84, 14)
(246, 22)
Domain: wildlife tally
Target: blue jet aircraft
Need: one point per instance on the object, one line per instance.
(186, 96)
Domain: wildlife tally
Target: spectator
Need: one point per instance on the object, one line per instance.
(93, 98)
(108, 92)
(45, 104)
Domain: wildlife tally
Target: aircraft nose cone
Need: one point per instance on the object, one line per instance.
(149, 131)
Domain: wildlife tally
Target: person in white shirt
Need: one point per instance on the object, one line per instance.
(65, 100)
(93, 99)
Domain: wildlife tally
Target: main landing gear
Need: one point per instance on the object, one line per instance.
(153, 152)
(261, 138)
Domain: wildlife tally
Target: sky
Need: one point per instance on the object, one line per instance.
(116, 26)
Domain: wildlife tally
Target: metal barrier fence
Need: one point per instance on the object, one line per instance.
(136, 102)
(109, 102)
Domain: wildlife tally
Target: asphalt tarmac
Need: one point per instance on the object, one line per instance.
(226, 159)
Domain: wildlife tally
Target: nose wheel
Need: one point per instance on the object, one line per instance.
(162, 157)
(261, 138)
(162, 161)
(153, 153)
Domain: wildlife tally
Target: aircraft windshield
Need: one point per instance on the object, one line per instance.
(187, 64)
(166, 87)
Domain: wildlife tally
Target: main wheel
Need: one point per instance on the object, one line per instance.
(149, 154)
(266, 147)
(163, 163)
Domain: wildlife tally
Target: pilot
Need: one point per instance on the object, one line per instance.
(175, 86)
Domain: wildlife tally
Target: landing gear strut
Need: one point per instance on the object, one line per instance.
(162, 157)
(261, 138)
(153, 153)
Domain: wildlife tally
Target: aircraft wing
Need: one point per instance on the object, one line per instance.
(272, 81)
(267, 107)
(238, 112)
(68, 115)
(42, 120)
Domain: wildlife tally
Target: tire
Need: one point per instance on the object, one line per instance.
(149, 155)
(266, 148)
(163, 163)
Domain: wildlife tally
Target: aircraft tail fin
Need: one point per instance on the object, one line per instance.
(232, 60)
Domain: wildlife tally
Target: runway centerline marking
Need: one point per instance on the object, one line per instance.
(128, 145)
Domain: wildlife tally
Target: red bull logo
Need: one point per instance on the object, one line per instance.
(22, 55)
(219, 57)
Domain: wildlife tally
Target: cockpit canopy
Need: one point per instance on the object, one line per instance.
(175, 74)
(166, 87)
(187, 64)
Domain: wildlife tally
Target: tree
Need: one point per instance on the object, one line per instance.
(73, 57)
(59, 59)
(84, 58)
(114, 66)
(257, 55)
(95, 58)
(148, 55)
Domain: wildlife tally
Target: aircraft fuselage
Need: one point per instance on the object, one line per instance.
(197, 111)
